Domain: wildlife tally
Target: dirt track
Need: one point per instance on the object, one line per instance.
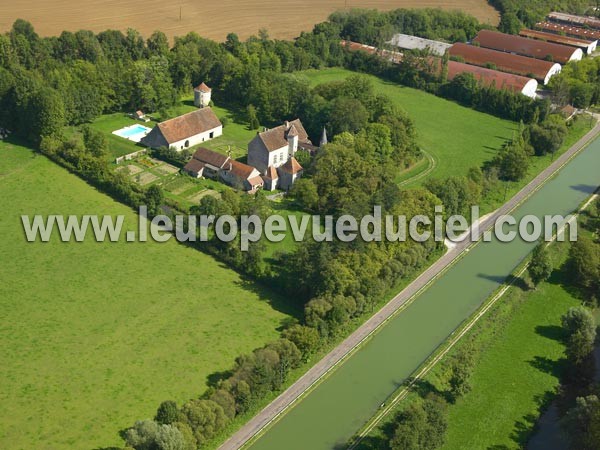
(284, 19)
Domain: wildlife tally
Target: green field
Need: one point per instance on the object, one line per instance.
(519, 370)
(95, 336)
(458, 138)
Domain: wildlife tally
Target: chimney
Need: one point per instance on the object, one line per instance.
(287, 125)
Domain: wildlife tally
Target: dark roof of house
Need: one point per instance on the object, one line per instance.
(207, 156)
(556, 38)
(240, 170)
(581, 33)
(489, 77)
(525, 47)
(505, 62)
(292, 166)
(591, 22)
(188, 125)
(203, 88)
(276, 138)
(194, 166)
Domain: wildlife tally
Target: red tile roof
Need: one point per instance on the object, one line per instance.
(292, 166)
(207, 156)
(525, 47)
(203, 88)
(591, 22)
(189, 125)
(276, 138)
(240, 170)
(271, 173)
(194, 166)
(505, 62)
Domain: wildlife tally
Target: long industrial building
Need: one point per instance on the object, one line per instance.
(527, 47)
(581, 33)
(587, 46)
(580, 21)
(490, 77)
(408, 42)
(506, 62)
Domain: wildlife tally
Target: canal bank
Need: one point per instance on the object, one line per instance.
(341, 404)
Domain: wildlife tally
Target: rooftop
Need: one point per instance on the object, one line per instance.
(490, 77)
(409, 42)
(590, 22)
(582, 33)
(277, 137)
(527, 47)
(189, 124)
(556, 38)
(207, 156)
(505, 62)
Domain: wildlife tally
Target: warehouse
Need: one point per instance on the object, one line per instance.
(581, 33)
(527, 47)
(570, 19)
(587, 46)
(407, 42)
(519, 65)
(489, 77)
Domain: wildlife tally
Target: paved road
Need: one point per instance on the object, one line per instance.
(338, 354)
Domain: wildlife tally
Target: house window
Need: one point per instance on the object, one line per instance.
(211, 135)
(187, 144)
(275, 159)
(281, 157)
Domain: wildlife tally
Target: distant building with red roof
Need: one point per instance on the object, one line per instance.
(506, 62)
(588, 46)
(527, 47)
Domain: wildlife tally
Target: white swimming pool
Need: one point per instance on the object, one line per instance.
(133, 133)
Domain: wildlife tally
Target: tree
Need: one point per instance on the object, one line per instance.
(167, 413)
(513, 162)
(154, 198)
(305, 193)
(582, 424)
(305, 338)
(583, 266)
(540, 268)
(95, 142)
(149, 435)
(253, 122)
(420, 426)
(205, 417)
(580, 327)
(347, 114)
(461, 368)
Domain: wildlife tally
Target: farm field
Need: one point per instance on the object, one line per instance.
(213, 19)
(96, 335)
(458, 138)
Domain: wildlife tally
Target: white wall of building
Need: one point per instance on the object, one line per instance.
(197, 139)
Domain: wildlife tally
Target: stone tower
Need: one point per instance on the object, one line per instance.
(202, 95)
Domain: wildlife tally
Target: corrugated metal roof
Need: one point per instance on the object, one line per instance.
(591, 22)
(490, 77)
(581, 33)
(505, 62)
(556, 38)
(525, 47)
(408, 42)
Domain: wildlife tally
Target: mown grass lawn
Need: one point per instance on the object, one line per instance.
(95, 335)
(457, 137)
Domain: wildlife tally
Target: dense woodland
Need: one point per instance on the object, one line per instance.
(48, 84)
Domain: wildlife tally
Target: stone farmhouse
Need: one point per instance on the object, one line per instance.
(209, 164)
(185, 131)
(273, 152)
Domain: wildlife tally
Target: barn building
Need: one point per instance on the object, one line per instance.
(490, 77)
(408, 42)
(527, 47)
(506, 62)
(185, 131)
(567, 30)
(578, 21)
(587, 46)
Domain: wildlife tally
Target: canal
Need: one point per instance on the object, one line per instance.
(329, 415)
